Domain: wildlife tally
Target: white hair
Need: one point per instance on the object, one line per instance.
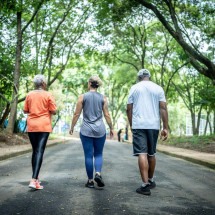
(39, 79)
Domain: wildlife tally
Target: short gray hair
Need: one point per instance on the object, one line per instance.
(39, 80)
(143, 73)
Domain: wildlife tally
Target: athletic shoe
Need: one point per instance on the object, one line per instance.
(99, 181)
(89, 184)
(144, 190)
(35, 185)
(32, 184)
(38, 186)
(152, 184)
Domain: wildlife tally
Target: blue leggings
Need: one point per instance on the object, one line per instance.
(93, 148)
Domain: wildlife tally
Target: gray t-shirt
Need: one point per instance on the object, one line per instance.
(145, 97)
(93, 125)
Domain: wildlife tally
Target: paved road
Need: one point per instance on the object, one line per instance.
(182, 187)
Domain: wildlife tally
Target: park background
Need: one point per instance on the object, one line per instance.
(68, 41)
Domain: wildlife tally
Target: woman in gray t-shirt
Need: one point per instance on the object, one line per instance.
(93, 132)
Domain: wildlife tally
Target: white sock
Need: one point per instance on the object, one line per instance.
(151, 179)
(144, 184)
(98, 173)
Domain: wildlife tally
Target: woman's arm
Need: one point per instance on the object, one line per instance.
(107, 116)
(79, 107)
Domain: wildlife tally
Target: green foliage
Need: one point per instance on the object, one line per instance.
(199, 143)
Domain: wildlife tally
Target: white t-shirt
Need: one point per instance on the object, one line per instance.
(145, 97)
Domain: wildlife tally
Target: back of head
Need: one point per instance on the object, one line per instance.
(143, 73)
(95, 81)
(39, 80)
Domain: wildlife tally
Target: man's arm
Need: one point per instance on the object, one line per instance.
(164, 117)
(129, 113)
(77, 113)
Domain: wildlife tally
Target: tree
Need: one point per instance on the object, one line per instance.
(16, 75)
(170, 13)
(189, 22)
(54, 40)
(189, 88)
(117, 85)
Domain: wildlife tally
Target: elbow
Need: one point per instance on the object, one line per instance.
(53, 112)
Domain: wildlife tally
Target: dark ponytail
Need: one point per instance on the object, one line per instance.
(94, 84)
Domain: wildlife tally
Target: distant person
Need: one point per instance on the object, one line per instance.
(93, 131)
(146, 105)
(39, 105)
(126, 132)
(119, 135)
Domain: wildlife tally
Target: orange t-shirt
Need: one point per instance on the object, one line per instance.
(38, 104)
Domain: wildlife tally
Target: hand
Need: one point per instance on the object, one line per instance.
(71, 131)
(111, 134)
(164, 134)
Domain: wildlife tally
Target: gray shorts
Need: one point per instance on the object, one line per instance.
(144, 141)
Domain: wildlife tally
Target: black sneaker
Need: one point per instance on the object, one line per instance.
(152, 184)
(144, 190)
(99, 181)
(89, 184)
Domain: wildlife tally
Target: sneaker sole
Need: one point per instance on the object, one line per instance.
(89, 186)
(35, 188)
(144, 193)
(152, 187)
(32, 186)
(99, 182)
(40, 188)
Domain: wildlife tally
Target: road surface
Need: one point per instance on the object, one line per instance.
(182, 187)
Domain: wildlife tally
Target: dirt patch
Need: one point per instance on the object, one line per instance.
(13, 139)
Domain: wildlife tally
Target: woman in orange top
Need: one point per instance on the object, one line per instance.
(39, 105)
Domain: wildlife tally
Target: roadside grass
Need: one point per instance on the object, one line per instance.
(205, 143)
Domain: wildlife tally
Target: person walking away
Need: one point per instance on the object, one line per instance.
(93, 132)
(40, 106)
(119, 135)
(146, 106)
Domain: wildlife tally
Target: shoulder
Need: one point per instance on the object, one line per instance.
(153, 84)
(135, 86)
(81, 97)
(30, 94)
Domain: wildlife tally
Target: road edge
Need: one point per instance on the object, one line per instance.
(193, 160)
(15, 154)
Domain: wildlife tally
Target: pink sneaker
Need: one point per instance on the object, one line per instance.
(38, 186)
(35, 184)
(32, 184)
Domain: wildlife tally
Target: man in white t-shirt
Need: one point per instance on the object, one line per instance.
(146, 106)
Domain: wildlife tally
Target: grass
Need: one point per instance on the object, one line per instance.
(199, 143)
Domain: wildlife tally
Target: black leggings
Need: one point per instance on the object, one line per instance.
(38, 141)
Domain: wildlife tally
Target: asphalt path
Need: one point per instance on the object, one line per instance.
(182, 187)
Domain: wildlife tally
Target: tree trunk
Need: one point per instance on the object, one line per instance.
(214, 123)
(193, 118)
(198, 121)
(207, 122)
(16, 76)
(5, 115)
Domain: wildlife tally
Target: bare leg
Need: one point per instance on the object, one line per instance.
(152, 163)
(144, 167)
